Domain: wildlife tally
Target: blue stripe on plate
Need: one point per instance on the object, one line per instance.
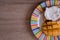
(35, 28)
(52, 38)
(35, 31)
(58, 37)
(37, 12)
(34, 22)
(52, 3)
(43, 4)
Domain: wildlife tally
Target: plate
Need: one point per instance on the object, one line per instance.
(37, 20)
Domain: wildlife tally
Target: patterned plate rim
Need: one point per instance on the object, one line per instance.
(34, 20)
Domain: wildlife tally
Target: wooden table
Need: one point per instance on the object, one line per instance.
(14, 19)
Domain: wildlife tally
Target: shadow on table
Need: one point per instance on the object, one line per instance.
(28, 17)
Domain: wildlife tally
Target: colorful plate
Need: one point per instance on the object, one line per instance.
(36, 20)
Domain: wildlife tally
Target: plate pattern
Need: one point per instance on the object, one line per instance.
(35, 20)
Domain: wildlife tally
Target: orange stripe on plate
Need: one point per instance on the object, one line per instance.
(48, 37)
(40, 35)
(55, 38)
(56, 3)
(33, 27)
(34, 19)
(39, 8)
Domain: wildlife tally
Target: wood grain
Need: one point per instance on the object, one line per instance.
(14, 19)
(21, 1)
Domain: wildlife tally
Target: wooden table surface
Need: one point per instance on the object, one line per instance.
(14, 19)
